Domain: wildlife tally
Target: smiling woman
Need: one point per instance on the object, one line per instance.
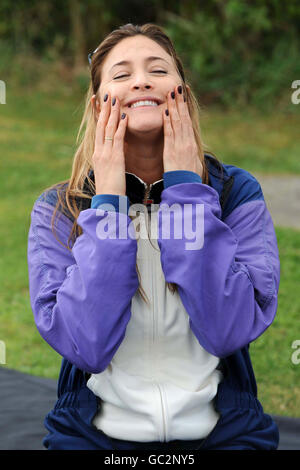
(173, 371)
(149, 73)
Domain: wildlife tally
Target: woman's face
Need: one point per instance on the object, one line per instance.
(140, 77)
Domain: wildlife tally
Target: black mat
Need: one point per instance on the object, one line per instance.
(25, 400)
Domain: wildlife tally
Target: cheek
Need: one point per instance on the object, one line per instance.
(114, 90)
(98, 101)
(103, 89)
(171, 85)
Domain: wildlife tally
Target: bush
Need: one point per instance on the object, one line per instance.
(239, 53)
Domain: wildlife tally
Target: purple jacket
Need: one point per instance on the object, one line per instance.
(81, 299)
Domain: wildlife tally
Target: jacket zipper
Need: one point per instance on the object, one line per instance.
(163, 415)
(155, 383)
(147, 192)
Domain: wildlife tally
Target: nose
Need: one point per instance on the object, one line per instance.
(142, 86)
(141, 81)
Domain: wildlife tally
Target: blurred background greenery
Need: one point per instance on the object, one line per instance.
(234, 51)
(240, 58)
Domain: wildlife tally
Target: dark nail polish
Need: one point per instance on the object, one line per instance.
(173, 95)
(123, 116)
(113, 101)
(167, 112)
(184, 99)
(179, 89)
(105, 97)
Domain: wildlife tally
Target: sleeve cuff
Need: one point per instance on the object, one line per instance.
(111, 202)
(180, 176)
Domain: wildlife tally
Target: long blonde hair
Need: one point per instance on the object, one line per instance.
(71, 191)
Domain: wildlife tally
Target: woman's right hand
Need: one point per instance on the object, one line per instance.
(108, 158)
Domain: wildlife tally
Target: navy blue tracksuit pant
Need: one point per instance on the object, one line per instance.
(243, 425)
(237, 429)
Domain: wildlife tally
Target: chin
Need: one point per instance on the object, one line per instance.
(140, 125)
(144, 130)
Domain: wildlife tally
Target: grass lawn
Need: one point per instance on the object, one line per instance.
(259, 142)
(278, 378)
(37, 139)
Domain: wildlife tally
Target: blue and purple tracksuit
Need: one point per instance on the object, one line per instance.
(174, 372)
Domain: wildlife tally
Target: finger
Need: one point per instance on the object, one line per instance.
(95, 107)
(174, 116)
(168, 134)
(113, 121)
(102, 121)
(119, 142)
(183, 111)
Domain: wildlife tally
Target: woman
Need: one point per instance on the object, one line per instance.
(145, 366)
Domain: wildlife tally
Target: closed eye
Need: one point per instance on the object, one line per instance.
(154, 71)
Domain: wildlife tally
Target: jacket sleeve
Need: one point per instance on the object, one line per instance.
(228, 282)
(81, 299)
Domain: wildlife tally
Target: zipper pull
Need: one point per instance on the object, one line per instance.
(148, 201)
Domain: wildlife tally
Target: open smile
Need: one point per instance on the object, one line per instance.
(144, 106)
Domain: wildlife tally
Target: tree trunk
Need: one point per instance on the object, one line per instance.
(78, 36)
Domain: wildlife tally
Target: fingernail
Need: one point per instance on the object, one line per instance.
(113, 101)
(179, 89)
(167, 112)
(173, 95)
(105, 97)
(123, 116)
(184, 99)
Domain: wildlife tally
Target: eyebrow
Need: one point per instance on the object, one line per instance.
(148, 59)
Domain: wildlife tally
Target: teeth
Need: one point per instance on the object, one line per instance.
(143, 103)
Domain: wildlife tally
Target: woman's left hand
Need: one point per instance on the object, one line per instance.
(180, 148)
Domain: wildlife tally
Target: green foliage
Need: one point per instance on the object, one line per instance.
(239, 52)
(236, 52)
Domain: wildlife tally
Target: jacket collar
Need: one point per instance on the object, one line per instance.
(136, 188)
